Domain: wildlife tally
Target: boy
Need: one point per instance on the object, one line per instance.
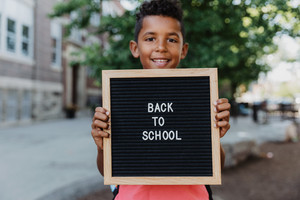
(159, 43)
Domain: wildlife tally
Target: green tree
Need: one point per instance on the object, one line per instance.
(232, 35)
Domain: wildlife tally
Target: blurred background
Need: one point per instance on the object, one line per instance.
(52, 53)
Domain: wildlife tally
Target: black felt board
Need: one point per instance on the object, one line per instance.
(134, 157)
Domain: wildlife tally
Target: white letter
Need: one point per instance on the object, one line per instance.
(158, 135)
(145, 136)
(177, 138)
(161, 121)
(163, 107)
(150, 107)
(154, 120)
(157, 108)
(165, 135)
(152, 133)
(170, 107)
(171, 137)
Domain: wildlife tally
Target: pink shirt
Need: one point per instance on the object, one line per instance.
(162, 192)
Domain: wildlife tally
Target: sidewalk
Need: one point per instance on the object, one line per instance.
(57, 159)
(48, 160)
(245, 137)
(243, 128)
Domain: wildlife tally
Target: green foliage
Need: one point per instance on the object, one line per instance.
(120, 30)
(84, 10)
(231, 35)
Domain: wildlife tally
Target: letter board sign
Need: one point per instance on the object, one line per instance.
(161, 127)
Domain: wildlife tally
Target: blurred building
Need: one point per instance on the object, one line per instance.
(80, 89)
(36, 81)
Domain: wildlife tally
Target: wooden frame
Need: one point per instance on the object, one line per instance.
(212, 180)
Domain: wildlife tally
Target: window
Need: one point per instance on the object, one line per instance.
(54, 50)
(11, 35)
(76, 34)
(17, 30)
(25, 40)
(56, 39)
(0, 30)
(26, 105)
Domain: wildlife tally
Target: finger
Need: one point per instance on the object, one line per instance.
(220, 101)
(222, 107)
(223, 115)
(100, 116)
(100, 124)
(97, 138)
(222, 124)
(103, 134)
(102, 110)
(224, 130)
(99, 134)
(223, 100)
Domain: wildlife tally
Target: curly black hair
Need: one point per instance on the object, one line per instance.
(168, 8)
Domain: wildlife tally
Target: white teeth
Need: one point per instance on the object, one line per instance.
(159, 60)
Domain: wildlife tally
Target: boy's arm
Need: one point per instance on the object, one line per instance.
(222, 108)
(100, 122)
(100, 161)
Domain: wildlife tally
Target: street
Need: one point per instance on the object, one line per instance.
(38, 160)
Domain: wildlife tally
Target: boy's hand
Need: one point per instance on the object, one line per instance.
(100, 122)
(222, 108)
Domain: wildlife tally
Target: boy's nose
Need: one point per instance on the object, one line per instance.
(161, 46)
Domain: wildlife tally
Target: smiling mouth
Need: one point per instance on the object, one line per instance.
(160, 62)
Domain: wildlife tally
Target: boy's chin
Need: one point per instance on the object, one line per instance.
(155, 66)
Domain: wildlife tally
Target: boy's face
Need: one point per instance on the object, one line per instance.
(160, 43)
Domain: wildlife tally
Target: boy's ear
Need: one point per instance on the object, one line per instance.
(184, 50)
(134, 49)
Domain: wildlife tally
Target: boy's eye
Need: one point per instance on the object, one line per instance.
(172, 40)
(150, 39)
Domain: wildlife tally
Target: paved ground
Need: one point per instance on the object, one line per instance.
(276, 178)
(46, 159)
(56, 159)
(243, 128)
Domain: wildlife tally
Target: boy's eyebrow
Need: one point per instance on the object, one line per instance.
(149, 33)
(173, 33)
(169, 34)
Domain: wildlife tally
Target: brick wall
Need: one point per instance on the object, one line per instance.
(43, 48)
(32, 89)
(15, 69)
